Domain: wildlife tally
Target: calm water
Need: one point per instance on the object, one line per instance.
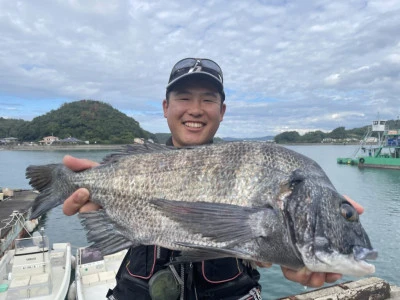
(377, 190)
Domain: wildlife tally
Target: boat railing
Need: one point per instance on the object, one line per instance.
(363, 142)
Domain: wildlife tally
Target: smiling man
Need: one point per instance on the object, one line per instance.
(194, 108)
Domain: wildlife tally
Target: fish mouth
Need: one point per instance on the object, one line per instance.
(353, 264)
(361, 253)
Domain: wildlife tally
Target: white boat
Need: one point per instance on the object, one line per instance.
(95, 273)
(34, 271)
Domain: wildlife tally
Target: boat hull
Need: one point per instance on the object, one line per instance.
(371, 162)
(379, 162)
(34, 274)
(95, 274)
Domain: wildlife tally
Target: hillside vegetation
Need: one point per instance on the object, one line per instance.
(87, 120)
(338, 134)
(10, 127)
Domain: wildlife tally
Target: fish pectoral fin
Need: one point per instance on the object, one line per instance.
(200, 253)
(104, 233)
(228, 223)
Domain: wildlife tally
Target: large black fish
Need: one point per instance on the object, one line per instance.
(251, 200)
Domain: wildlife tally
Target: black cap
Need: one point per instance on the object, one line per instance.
(202, 67)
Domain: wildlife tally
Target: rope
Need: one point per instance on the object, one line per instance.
(16, 217)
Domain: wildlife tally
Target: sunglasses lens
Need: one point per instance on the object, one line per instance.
(184, 63)
(211, 65)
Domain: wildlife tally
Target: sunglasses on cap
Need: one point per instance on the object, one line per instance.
(190, 66)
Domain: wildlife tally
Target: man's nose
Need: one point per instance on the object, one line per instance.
(196, 108)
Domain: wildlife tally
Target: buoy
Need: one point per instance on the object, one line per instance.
(30, 225)
(73, 262)
(72, 291)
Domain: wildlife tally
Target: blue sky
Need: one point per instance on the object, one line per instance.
(288, 65)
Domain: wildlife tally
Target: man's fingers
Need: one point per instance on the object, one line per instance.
(301, 276)
(79, 200)
(263, 264)
(78, 164)
(307, 278)
(357, 206)
(74, 202)
(332, 277)
(89, 206)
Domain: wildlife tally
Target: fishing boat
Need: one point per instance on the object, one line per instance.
(382, 151)
(94, 273)
(31, 270)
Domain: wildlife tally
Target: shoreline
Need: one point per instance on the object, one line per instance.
(63, 147)
(95, 147)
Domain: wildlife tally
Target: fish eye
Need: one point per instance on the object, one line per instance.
(296, 178)
(349, 212)
(294, 183)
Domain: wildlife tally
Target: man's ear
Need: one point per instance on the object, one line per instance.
(223, 108)
(165, 107)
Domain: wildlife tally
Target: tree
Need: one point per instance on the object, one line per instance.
(287, 137)
(338, 133)
(313, 137)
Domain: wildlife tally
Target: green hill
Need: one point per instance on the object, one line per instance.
(10, 127)
(87, 120)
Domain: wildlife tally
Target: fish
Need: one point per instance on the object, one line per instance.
(255, 201)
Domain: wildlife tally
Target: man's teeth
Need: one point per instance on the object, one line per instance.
(195, 125)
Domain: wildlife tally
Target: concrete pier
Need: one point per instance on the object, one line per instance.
(371, 288)
(14, 210)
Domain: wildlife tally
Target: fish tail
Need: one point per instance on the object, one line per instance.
(52, 183)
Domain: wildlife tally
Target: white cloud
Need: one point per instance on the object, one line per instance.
(287, 65)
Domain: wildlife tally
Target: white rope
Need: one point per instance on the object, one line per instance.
(15, 217)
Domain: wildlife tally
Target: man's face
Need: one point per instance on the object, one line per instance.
(193, 112)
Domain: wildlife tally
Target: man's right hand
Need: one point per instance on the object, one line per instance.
(79, 201)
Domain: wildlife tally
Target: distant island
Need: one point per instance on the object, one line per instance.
(91, 122)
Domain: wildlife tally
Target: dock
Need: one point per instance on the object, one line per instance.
(367, 288)
(14, 211)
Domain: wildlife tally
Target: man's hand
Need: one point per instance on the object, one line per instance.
(317, 279)
(79, 201)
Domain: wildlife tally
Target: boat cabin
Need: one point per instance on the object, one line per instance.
(378, 125)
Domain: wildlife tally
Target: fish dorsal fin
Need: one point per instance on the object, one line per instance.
(104, 233)
(136, 149)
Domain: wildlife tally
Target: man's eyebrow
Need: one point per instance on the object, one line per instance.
(179, 92)
(210, 94)
(183, 91)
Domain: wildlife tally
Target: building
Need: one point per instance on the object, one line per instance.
(48, 140)
(8, 141)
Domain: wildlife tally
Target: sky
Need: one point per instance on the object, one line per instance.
(300, 65)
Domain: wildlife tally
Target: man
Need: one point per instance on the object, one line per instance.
(194, 107)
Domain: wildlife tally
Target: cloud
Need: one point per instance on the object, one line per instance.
(287, 64)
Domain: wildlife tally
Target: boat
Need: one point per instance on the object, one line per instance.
(94, 273)
(382, 151)
(31, 270)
